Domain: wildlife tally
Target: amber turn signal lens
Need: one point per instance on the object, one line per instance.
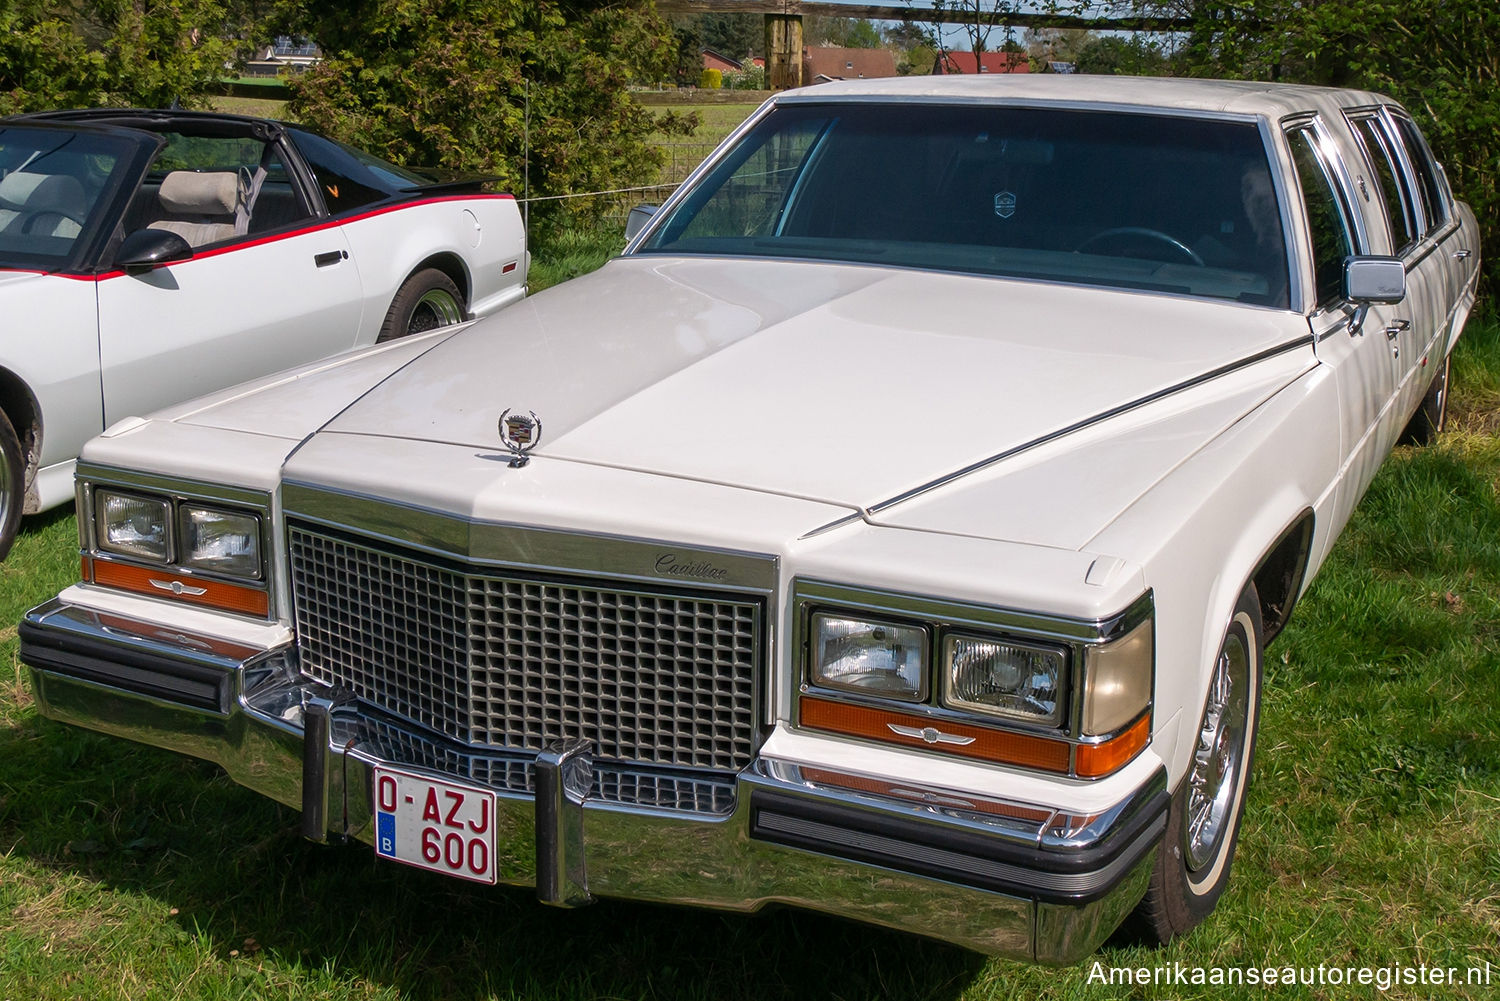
(1097, 760)
(911, 730)
(158, 583)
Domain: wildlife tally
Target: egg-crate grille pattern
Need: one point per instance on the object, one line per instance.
(510, 661)
(653, 787)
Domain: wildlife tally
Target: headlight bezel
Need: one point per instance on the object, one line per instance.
(248, 593)
(1078, 639)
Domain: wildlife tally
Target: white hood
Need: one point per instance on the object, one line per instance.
(844, 384)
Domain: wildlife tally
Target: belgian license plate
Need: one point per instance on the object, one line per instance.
(433, 824)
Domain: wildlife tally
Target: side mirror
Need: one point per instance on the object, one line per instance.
(1371, 280)
(149, 248)
(636, 221)
(1368, 280)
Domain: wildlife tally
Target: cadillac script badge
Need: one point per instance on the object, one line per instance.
(520, 433)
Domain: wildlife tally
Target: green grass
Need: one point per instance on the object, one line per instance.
(1372, 835)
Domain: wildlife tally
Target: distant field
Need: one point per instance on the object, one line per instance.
(256, 107)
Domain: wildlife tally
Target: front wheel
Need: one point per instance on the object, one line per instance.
(12, 485)
(1192, 865)
(425, 301)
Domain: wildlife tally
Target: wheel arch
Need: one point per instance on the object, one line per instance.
(1279, 575)
(24, 412)
(451, 265)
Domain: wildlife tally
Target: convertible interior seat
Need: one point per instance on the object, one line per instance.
(200, 205)
(42, 204)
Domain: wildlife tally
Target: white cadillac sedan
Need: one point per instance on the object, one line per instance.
(147, 257)
(895, 530)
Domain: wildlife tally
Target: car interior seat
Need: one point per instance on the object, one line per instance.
(41, 204)
(200, 206)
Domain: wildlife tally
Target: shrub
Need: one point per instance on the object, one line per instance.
(710, 79)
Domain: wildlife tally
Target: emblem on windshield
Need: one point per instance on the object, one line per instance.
(520, 433)
(1005, 205)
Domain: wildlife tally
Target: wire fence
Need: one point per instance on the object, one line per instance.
(611, 207)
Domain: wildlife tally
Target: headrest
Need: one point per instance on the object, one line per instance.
(189, 192)
(42, 193)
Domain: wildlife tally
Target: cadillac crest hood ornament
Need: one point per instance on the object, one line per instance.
(520, 433)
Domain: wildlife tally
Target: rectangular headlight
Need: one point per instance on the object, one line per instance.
(996, 677)
(132, 525)
(226, 542)
(884, 659)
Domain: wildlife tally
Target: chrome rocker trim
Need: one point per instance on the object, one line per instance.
(1012, 879)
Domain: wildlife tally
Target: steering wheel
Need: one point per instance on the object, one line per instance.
(1125, 235)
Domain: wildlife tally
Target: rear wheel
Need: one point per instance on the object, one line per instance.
(12, 485)
(425, 301)
(1432, 415)
(1192, 865)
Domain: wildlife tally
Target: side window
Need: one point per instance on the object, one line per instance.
(1327, 220)
(1434, 197)
(209, 189)
(349, 178)
(750, 202)
(1398, 205)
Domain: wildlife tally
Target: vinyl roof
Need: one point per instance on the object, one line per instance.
(1230, 96)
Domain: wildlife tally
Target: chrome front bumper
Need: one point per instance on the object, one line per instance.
(1014, 879)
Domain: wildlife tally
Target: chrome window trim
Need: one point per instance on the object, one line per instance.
(1296, 291)
(1393, 156)
(1430, 227)
(523, 547)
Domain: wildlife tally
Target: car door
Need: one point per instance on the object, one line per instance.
(1357, 354)
(1395, 221)
(1431, 271)
(259, 294)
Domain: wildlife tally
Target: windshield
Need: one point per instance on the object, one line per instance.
(1141, 201)
(50, 192)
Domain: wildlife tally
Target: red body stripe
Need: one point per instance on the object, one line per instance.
(274, 237)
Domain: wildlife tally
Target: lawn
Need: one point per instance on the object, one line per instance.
(1372, 836)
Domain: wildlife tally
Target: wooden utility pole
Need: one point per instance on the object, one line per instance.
(783, 51)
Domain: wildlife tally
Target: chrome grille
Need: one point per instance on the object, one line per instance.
(508, 660)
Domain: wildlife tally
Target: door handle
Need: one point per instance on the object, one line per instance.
(1462, 255)
(1396, 328)
(331, 257)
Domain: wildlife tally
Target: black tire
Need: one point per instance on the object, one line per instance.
(1432, 416)
(1193, 863)
(12, 485)
(425, 301)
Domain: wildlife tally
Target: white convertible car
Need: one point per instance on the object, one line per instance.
(894, 530)
(151, 256)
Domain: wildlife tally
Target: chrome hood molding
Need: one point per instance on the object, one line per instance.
(841, 384)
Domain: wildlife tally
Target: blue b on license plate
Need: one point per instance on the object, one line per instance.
(434, 824)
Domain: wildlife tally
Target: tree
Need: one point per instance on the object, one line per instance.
(1057, 44)
(1438, 57)
(979, 21)
(735, 35)
(1132, 56)
(844, 32)
(477, 84)
(77, 53)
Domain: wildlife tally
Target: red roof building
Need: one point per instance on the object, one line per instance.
(830, 63)
(993, 62)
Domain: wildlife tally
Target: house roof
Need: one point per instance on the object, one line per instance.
(847, 64)
(714, 54)
(991, 62)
